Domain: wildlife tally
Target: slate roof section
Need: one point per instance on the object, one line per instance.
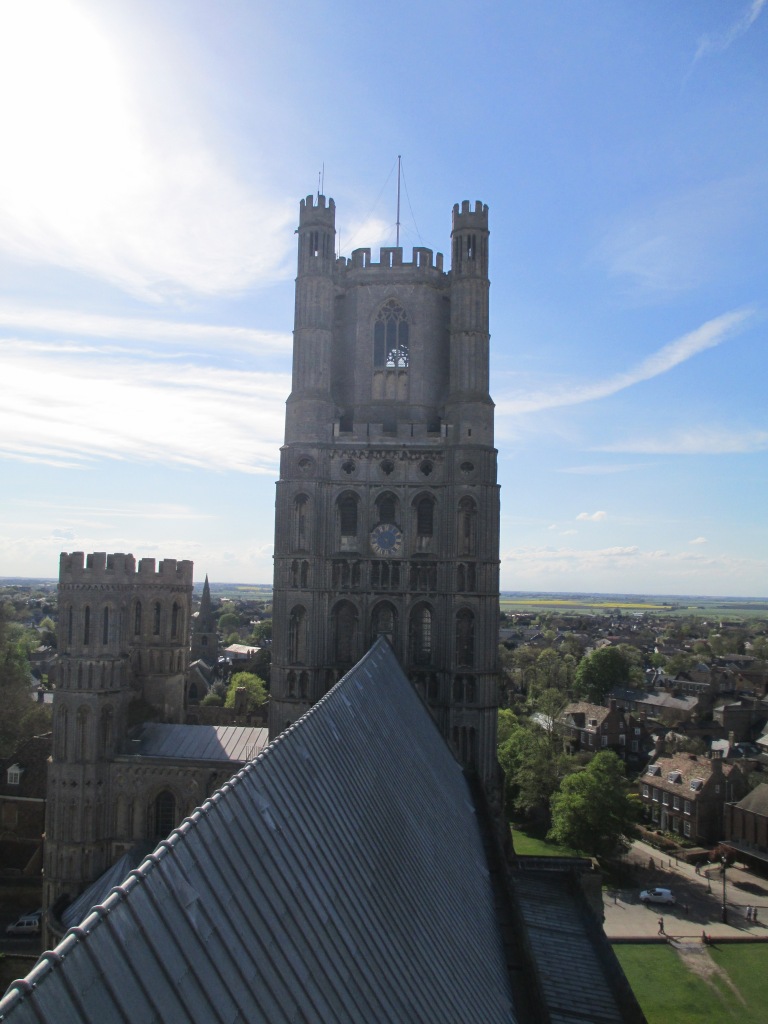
(200, 742)
(756, 801)
(579, 979)
(340, 877)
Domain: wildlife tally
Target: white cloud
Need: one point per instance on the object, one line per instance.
(600, 470)
(93, 182)
(594, 517)
(76, 324)
(63, 411)
(630, 569)
(709, 335)
(721, 41)
(698, 540)
(703, 440)
(677, 243)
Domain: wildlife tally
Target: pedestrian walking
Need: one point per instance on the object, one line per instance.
(661, 926)
(754, 914)
(749, 913)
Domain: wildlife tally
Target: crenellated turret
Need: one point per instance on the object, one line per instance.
(310, 402)
(470, 409)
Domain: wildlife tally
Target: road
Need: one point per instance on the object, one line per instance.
(699, 901)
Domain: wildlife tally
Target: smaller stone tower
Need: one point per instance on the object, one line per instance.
(205, 639)
(123, 655)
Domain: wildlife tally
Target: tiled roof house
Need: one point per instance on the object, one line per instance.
(686, 794)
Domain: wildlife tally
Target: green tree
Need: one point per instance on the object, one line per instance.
(229, 621)
(593, 811)
(15, 682)
(534, 767)
(47, 632)
(507, 722)
(599, 672)
(262, 631)
(256, 691)
(550, 670)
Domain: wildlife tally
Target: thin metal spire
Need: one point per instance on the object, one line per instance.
(398, 201)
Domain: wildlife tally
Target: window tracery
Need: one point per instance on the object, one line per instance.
(391, 337)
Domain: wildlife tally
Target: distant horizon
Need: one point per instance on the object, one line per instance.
(29, 580)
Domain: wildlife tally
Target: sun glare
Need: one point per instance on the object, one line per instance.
(68, 132)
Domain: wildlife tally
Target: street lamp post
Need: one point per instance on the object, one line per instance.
(724, 861)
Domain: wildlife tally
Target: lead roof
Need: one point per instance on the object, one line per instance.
(338, 877)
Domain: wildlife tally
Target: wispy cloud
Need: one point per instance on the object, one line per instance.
(594, 517)
(698, 540)
(63, 411)
(717, 42)
(679, 242)
(94, 181)
(76, 324)
(600, 470)
(698, 440)
(631, 568)
(709, 335)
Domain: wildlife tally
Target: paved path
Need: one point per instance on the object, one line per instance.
(699, 901)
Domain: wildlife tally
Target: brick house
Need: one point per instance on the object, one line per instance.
(746, 826)
(686, 794)
(591, 728)
(23, 778)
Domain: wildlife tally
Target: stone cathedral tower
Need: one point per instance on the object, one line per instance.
(387, 505)
(122, 637)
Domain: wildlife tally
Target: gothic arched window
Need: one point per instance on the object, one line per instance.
(175, 620)
(300, 522)
(106, 731)
(87, 626)
(105, 626)
(137, 619)
(163, 817)
(345, 634)
(386, 507)
(297, 635)
(420, 635)
(83, 719)
(465, 638)
(347, 506)
(390, 337)
(467, 526)
(70, 621)
(156, 619)
(384, 622)
(425, 517)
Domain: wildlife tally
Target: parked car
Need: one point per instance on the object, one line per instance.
(27, 924)
(665, 896)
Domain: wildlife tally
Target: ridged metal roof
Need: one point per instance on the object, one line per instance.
(339, 877)
(200, 742)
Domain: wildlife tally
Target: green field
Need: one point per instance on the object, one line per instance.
(599, 604)
(723, 984)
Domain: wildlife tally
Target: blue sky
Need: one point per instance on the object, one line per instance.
(154, 154)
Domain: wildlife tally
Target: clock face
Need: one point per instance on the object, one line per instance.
(386, 539)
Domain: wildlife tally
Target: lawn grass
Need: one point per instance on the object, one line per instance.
(668, 990)
(530, 841)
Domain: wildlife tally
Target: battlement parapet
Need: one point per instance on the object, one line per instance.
(311, 212)
(99, 567)
(466, 217)
(391, 257)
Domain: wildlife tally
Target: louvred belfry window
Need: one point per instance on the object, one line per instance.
(390, 337)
